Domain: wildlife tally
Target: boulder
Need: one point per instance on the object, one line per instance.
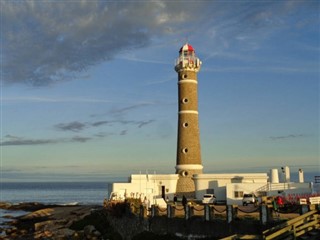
(39, 213)
(90, 232)
(66, 233)
(41, 226)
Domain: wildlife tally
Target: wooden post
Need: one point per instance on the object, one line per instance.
(154, 210)
(186, 212)
(229, 213)
(208, 214)
(232, 212)
(304, 208)
(270, 211)
(143, 211)
(191, 210)
(235, 211)
(263, 214)
(170, 211)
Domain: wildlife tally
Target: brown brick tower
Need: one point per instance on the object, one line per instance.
(188, 147)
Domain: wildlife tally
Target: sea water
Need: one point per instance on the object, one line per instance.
(54, 192)
(83, 193)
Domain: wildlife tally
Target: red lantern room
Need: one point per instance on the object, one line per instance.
(187, 59)
(186, 48)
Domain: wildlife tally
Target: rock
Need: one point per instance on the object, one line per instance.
(41, 226)
(65, 233)
(23, 232)
(5, 205)
(48, 233)
(90, 232)
(78, 235)
(89, 229)
(38, 235)
(39, 213)
(11, 230)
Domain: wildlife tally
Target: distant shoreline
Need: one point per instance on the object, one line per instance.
(308, 177)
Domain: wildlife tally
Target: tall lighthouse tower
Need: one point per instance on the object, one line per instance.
(188, 148)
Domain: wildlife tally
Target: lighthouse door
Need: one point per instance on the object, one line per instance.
(163, 192)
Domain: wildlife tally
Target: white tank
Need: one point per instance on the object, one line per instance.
(274, 175)
(287, 174)
(301, 176)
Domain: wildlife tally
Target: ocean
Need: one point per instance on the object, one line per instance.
(83, 193)
(54, 192)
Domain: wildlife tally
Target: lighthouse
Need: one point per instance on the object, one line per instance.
(188, 145)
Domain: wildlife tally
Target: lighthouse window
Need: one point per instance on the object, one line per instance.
(185, 150)
(184, 76)
(185, 124)
(184, 173)
(185, 100)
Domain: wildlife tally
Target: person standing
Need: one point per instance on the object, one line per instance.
(175, 199)
(184, 202)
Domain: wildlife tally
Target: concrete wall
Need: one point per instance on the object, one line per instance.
(218, 182)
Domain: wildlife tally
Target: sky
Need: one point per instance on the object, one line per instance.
(89, 91)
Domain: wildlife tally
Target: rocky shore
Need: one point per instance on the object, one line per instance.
(70, 222)
(56, 222)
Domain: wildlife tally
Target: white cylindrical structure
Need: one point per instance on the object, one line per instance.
(287, 174)
(301, 176)
(274, 176)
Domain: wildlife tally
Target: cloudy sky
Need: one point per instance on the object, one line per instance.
(89, 91)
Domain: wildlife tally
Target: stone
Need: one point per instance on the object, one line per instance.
(39, 213)
(88, 230)
(65, 232)
(48, 233)
(40, 226)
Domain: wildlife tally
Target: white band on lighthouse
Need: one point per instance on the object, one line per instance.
(189, 167)
(188, 111)
(188, 81)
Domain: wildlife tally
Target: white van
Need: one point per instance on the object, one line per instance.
(208, 198)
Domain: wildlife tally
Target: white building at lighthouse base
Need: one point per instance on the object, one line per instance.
(228, 188)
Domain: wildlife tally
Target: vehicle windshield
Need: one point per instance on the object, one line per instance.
(208, 196)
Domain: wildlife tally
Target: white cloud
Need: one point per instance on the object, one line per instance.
(49, 41)
(45, 42)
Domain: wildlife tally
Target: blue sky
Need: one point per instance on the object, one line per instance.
(89, 91)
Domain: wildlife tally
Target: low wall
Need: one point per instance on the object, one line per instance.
(193, 228)
(166, 221)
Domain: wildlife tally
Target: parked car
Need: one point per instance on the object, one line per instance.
(208, 198)
(249, 199)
